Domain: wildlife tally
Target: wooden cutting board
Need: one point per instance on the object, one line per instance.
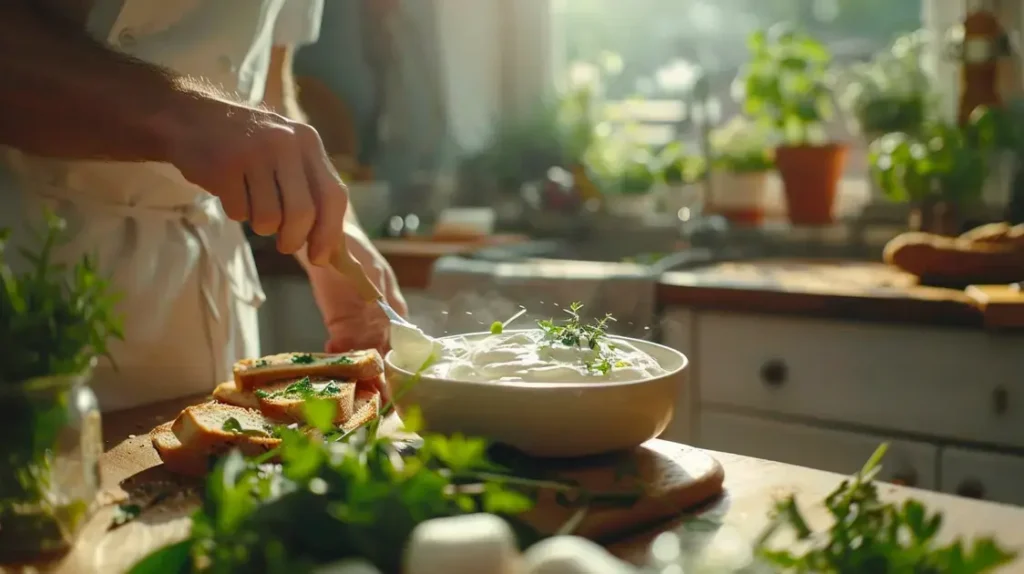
(674, 477)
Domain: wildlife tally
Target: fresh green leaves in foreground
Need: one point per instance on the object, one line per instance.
(351, 496)
(868, 535)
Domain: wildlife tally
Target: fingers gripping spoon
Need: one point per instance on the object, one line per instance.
(412, 344)
(343, 262)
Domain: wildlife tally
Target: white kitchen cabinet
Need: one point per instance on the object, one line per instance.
(824, 393)
(957, 384)
(676, 330)
(908, 462)
(984, 475)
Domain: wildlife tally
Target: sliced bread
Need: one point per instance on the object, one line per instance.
(284, 400)
(227, 392)
(175, 456)
(213, 428)
(366, 407)
(251, 374)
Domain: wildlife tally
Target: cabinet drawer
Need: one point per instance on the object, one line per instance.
(908, 462)
(989, 476)
(963, 384)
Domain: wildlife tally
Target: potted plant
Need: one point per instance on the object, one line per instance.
(892, 92)
(741, 156)
(676, 172)
(54, 322)
(940, 171)
(787, 86)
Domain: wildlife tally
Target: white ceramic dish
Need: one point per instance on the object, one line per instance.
(549, 419)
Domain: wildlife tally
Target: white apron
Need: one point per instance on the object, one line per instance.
(189, 286)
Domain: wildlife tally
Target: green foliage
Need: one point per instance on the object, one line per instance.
(52, 322)
(676, 167)
(52, 325)
(869, 535)
(553, 133)
(786, 85)
(892, 92)
(349, 496)
(941, 161)
(742, 146)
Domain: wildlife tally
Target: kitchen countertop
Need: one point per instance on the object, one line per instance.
(751, 487)
(831, 289)
(850, 290)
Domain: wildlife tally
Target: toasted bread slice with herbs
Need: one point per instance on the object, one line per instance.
(214, 428)
(366, 407)
(175, 456)
(251, 374)
(284, 400)
(227, 392)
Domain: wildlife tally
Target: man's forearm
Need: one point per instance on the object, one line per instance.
(61, 88)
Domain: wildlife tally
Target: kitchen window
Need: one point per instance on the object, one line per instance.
(657, 48)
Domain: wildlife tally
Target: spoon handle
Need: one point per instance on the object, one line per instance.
(343, 261)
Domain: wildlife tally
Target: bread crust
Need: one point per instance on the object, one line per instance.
(251, 374)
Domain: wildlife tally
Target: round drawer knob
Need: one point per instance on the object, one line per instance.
(907, 477)
(773, 373)
(971, 488)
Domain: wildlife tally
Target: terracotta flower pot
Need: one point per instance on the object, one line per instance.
(810, 176)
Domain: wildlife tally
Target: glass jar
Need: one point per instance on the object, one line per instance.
(49, 476)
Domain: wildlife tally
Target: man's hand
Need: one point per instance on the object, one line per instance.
(351, 322)
(268, 170)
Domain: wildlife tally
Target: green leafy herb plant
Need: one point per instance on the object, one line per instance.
(942, 162)
(787, 85)
(348, 495)
(870, 535)
(54, 322)
(892, 92)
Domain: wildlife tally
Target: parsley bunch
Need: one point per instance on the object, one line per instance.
(339, 496)
(868, 535)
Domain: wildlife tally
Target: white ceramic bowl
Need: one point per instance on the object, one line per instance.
(549, 419)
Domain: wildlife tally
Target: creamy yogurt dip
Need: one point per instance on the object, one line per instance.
(527, 356)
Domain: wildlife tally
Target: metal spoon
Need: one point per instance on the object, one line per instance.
(343, 261)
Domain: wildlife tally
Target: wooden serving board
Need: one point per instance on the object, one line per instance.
(674, 477)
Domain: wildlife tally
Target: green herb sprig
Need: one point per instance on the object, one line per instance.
(574, 332)
(868, 535)
(53, 320)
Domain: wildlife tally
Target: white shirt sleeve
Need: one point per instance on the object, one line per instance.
(298, 22)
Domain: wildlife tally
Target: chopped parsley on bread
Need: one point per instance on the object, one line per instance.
(251, 374)
(266, 394)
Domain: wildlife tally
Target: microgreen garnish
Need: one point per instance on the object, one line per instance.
(574, 332)
(868, 535)
(497, 328)
(303, 359)
(343, 360)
